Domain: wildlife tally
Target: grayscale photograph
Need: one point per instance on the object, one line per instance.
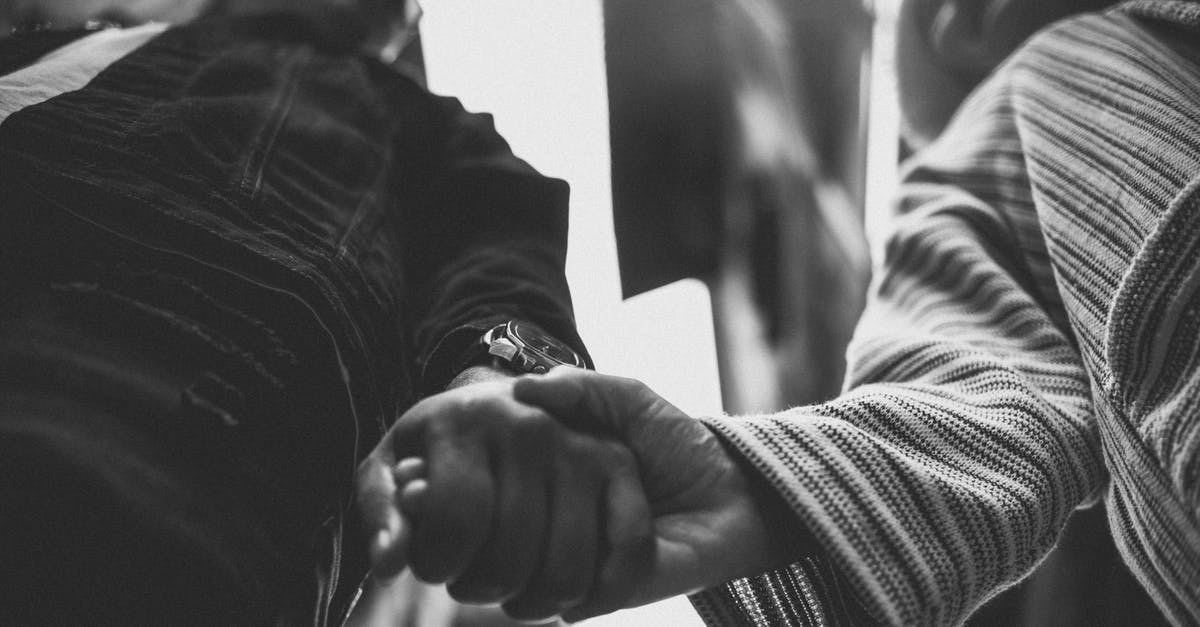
(617, 313)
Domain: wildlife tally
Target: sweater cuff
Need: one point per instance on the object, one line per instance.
(815, 589)
(808, 592)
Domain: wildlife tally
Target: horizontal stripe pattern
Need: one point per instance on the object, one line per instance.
(1031, 344)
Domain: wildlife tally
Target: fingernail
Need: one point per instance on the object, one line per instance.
(412, 497)
(409, 468)
(383, 540)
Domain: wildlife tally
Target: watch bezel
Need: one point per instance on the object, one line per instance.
(520, 354)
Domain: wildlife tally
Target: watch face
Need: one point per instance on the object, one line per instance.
(545, 345)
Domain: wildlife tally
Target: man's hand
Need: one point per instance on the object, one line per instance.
(509, 504)
(711, 522)
(383, 489)
(479, 374)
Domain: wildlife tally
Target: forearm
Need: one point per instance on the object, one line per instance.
(489, 286)
(926, 521)
(485, 236)
(480, 373)
(966, 442)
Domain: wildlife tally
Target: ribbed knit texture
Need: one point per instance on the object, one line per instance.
(1032, 343)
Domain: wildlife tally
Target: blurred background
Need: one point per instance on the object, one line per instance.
(731, 163)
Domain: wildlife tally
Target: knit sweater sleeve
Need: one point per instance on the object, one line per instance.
(965, 437)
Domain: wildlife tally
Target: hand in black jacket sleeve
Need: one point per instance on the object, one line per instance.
(485, 238)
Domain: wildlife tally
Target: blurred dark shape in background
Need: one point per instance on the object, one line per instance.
(738, 156)
(670, 127)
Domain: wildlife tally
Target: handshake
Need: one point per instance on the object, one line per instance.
(570, 494)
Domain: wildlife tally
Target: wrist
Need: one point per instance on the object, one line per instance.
(478, 374)
(772, 535)
(784, 535)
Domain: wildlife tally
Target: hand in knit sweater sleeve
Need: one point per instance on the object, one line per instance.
(965, 437)
(945, 472)
(711, 519)
(964, 442)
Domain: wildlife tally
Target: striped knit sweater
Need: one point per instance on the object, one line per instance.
(1032, 344)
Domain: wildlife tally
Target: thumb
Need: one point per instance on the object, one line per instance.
(583, 399)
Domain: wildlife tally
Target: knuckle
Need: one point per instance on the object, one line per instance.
(606, 457)
(568, 591)
(468, 408)
(560, 583)
(482, 405)
(459, 420)
(637, 543)
(617, 455)
(414, 420)
(480, 402)
(631, 384)
(367, 471)
(486, 586)
(422, 408)
(507, 580)
(530, 611)
(534, 429)
(445, 545)
(473, 594)
(577, 452)
(428, 566)
(442, 429)
(549, 595)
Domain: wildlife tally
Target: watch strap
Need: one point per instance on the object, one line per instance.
(458, 350)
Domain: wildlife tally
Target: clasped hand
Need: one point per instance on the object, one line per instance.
(572, 494)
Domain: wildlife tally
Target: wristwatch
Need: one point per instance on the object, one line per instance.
(524, 348)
